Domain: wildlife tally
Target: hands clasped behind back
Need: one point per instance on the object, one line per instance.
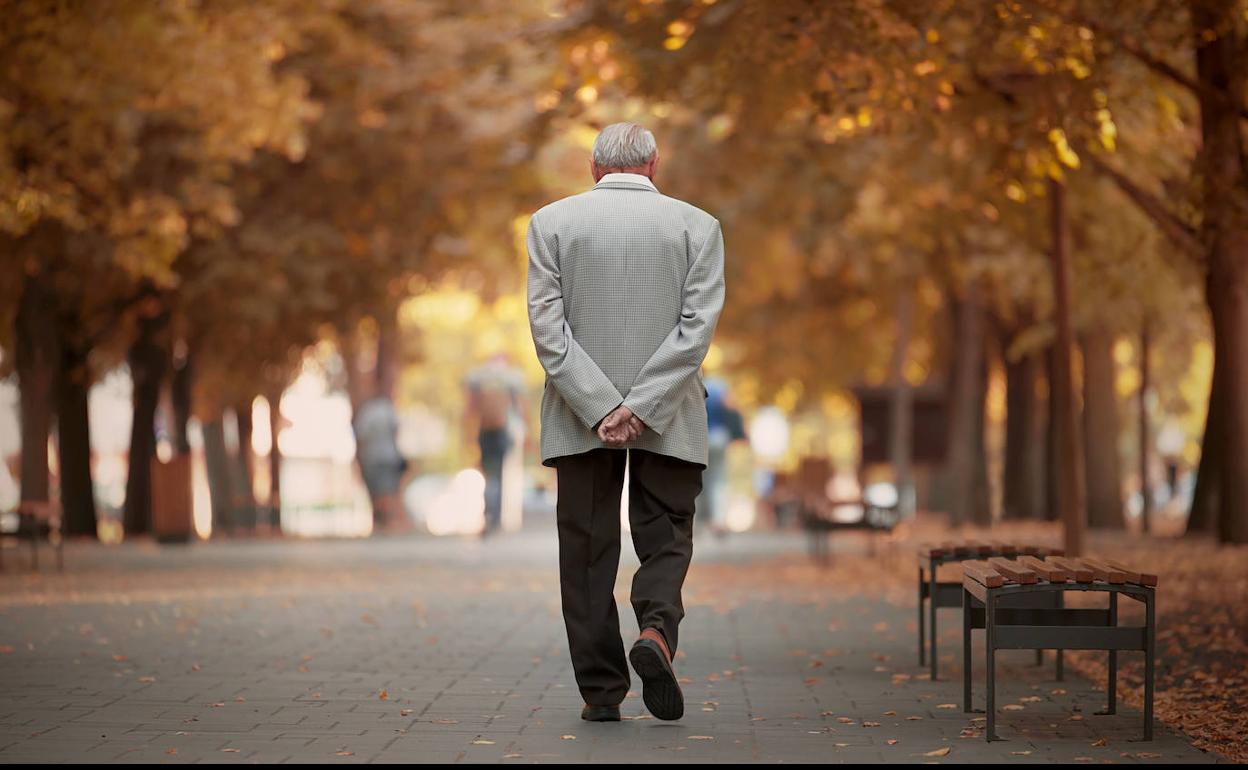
(620, 427)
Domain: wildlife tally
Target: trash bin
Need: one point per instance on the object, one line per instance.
(172, 520)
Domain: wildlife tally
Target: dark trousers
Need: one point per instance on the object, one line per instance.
(494, 444)
(661, 494)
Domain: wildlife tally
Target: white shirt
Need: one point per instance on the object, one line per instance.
(620, 176)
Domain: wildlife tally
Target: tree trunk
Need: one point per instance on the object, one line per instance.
(180, 390)
(1202, 519)
(148, 358)
(1103, 467)
(1224, 233)
(244, 478)
(275, 456)
(38, 357)
(1231, 346)
(981, 487)
(1023, 496)
(74, 445)
(1071, 494)
(1145, 435)
(220, 486)
(1053, 441)
(901, 422)
(966, 403)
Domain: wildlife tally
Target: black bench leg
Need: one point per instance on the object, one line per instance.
(1150, 644)
(990, 622)
(1039, 657)
(1111, 685)
(1059, 669)
(966, 650)
(931, 620)
(922, 641)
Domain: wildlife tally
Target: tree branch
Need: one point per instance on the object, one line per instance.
(1129, 44)
(1178, 231)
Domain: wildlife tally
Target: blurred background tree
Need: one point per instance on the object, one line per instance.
(1034, 209)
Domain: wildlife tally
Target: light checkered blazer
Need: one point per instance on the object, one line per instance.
(625, 287)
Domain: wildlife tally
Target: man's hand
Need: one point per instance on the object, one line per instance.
(620, 427)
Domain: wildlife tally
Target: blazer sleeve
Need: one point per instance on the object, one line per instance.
(681, 354)
(577, 377)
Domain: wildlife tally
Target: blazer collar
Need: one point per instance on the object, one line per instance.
(626, 181)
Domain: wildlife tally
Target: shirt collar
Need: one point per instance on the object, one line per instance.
(616, 178)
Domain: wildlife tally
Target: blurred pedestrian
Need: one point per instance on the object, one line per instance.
(625, 287)
(724, 426)
(376, 428)
(494, 398)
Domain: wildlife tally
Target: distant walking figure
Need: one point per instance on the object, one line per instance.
(625, 287)
(494, 397)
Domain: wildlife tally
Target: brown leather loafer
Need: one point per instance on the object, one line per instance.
(652, 661)
(593, 713)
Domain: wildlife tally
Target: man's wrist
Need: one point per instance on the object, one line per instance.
(608, 414)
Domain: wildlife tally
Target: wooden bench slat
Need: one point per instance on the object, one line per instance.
(1128, 576)
(1014, 571)
(1139, 578)
(1007, 549)
(1081, 572)
(1103, 571)
(982, 572)
(1047, 570)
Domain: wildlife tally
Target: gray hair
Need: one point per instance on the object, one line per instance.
(624, 145)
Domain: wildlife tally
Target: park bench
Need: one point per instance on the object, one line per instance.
(816, 510)
(947, 594)
(783, 501)
(991, 592)
(35, 520)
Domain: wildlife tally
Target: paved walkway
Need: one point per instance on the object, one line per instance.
(434, 650)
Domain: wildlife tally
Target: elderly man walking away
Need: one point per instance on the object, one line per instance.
(625, 287)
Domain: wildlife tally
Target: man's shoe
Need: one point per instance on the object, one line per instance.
(652, 661)
(600, 713)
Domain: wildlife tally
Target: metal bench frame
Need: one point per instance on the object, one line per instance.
(947, 594)
(875, 518)
(1008, 626)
